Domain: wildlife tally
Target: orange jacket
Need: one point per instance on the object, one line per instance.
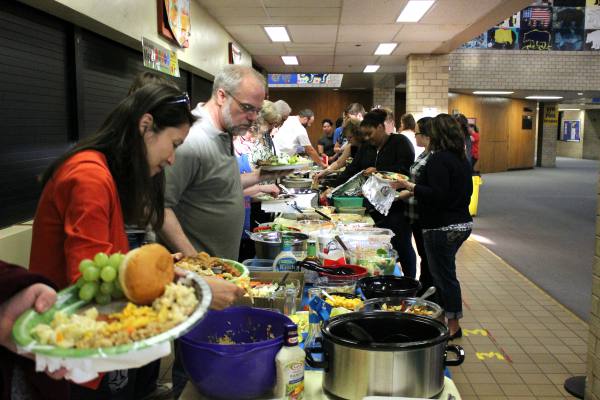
(79, 215)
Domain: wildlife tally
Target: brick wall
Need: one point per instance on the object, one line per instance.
(384, 92)
(549, 145)
(427, 83)
(591, 140)
(523, 69)
(592, 387)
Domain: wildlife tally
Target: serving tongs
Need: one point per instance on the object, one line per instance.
(314, 266)
(294, 205)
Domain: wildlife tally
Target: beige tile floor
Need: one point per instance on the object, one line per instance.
(520, 343)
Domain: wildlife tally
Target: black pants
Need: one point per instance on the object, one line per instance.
(425, 278)
(401, 241)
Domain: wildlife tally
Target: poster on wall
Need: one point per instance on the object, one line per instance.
(503, 38)
(159, 58)
(592, 17)
(550, 114)
(480, 42)
(174, 22)
(568, 25)
(571, 131)
(535, 29)
(592, 39)
(235, 54)
(569, 3)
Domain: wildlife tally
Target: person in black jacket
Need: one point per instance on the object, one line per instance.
(392, 153)
(443, 192)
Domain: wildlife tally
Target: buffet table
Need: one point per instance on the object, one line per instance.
(313, 390)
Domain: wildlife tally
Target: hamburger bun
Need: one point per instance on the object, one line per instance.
(145, 272)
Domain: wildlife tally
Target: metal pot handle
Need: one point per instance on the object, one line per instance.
(460, 355)
(314, 363)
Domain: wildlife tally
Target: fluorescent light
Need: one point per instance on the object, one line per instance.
(569, 109)
(277, 33)
(414, 10)
(385, 49)
(484, 92)
(580, 94)
(371, 68)
(289, 60)
(543, 97)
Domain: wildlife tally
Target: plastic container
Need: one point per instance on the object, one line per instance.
(234, 371)
(359, 273)
(336, 286)
(259, 265)
(352, 210)
(406, 305)
(348, 201)
(477, 181)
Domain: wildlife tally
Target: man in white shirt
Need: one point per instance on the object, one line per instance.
(292, 135)
(407, 126)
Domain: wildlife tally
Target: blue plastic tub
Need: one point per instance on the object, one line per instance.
(234, 371)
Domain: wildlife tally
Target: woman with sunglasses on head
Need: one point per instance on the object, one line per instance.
(351, 131)
(107, 180)
(443, 192)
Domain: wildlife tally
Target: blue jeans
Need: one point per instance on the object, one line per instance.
(441, 248)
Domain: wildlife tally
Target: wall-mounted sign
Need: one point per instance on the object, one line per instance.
(571, 131)
(550, 114)
(235, 54)
(305, 80)
(159, 58)
(174, 22)
(430, 112)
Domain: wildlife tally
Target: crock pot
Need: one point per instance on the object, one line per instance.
(407, 356)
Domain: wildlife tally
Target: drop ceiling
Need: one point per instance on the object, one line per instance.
(341, 35)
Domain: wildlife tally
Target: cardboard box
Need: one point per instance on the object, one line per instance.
(270, 277)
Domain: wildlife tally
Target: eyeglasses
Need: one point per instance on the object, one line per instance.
(245, 107)
(181, 99)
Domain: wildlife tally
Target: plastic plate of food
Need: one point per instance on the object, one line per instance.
(74, 328)
(390, 176)
(283, 163)
(205, 265)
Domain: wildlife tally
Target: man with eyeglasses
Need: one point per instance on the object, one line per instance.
(203, 196)
(292, 137)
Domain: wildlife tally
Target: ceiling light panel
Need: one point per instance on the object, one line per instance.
(290, 60)
(277, 33)
(491, 92)
(543, 97)
(385, 49)
(414, 10)
(371, 68)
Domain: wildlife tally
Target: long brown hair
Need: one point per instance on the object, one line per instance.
(119, 139)
(446, 134)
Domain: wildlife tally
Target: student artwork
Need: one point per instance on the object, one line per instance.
(480, 42)
(503, 38)
(592, 17)
(535, 28)
(568, 25)
(571, 131)
(590, 3)
(569, 3)
(546, 3)
(592, 40)
(513, 21)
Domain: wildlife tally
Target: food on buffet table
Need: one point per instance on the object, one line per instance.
(98, 279)
(204, 264)
(268, 289)
(283, 159)
(301, 319)
(352, 304)
(410, 309)
(391, 176)
(145, 272)
(92, 329)
(275, 228)
(346, 218)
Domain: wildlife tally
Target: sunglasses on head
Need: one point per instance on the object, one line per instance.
(180, 99)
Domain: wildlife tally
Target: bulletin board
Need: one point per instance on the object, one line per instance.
(571, 131)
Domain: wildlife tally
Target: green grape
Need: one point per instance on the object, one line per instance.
(80, 282)
(91, 274)
(102, 298)
(108, 274)
(88, 291)
(85, 263)
(107, 287)
(101, 259)
(117, 292)
(115, 260)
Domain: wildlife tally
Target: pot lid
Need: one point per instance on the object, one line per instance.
(389, 330)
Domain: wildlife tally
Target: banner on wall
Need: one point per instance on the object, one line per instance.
(305, 80)
(159, 58)
(550, 114)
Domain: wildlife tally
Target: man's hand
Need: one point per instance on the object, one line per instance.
(273, 190)
(37, 296)
(223, 293)
(400, 184)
